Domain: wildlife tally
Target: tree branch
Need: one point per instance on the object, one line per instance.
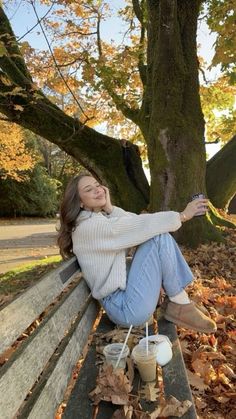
(121, 105)
(58, 69)
(38, 22)
(99, 44)
(8, 40)
(139, 12)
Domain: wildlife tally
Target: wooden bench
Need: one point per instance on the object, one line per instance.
(48, 327)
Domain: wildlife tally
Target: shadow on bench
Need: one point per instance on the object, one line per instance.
(48, 326)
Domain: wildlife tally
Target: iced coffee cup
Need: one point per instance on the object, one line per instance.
(146, 361)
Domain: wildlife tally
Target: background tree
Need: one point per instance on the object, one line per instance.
(221, 19)
(36, 196)
(165, 104)
(16, 159)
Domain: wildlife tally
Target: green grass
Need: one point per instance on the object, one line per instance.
(18, 279)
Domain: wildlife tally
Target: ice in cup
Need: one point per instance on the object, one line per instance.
(112, 353)
(146, 361)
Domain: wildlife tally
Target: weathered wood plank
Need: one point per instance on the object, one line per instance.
(49, 392)
(79, 406)
(19, 375)
(174, 373)
(20, 313)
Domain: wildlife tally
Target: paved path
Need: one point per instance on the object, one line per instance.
(26, 240)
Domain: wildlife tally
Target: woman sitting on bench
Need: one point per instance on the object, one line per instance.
(100, 235)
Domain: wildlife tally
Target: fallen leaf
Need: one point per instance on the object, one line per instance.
(171, 407)
(111, 385)
(149, 392)
(196, 381)
(227, 371)
(130, 371)
(200, 404)
(221, 399)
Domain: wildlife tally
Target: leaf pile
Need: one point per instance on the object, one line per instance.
(169, 407)
(210, 359)
(113, 385)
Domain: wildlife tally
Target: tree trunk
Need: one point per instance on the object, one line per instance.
(170, 119)
(175, 134)
(232, 206)
(221, 175)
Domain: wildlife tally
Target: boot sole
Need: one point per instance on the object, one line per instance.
(187, 326)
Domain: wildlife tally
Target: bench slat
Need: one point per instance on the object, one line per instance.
(174, 373)
(19, 375)
(79, 405)
(20, 313)
(50, 390)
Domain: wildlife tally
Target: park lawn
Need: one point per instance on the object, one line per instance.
(18, 279)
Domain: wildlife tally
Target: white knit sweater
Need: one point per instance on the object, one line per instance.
(100, 243)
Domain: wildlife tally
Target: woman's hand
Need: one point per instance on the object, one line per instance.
(108, 208)
(193, 208)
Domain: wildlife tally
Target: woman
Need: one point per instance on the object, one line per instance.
(100, 234)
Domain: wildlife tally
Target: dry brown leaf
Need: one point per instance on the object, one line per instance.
(196, 381)
(149, 392)
(99, 349)
(131, 411)
(112, 385)
(172, 407)
(128, 410)
(200, 404)
(184, 347)
(205, 370)
(221, 399)
(130, 371)
(221, 377)
(225, 369)
(119, 414)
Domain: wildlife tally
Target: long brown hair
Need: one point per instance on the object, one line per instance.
(69, 211)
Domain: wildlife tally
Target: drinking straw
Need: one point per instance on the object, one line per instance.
(147, 338)
(123, 347)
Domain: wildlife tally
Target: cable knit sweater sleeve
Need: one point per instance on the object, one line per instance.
(100, 244)
(131, 229)
(117, 212)
(126, 229)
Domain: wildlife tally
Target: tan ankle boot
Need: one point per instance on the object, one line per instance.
(200, 307)
(188, 316)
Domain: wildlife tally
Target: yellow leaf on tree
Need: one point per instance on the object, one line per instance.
(18, 108)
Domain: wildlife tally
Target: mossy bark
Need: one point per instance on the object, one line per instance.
(173, 123)
(217, 219)
(221, 175)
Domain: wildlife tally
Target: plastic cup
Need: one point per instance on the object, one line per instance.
(146, 362)
(112, 353)
(203, 210)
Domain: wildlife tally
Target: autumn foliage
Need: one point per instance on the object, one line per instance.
(15, 158)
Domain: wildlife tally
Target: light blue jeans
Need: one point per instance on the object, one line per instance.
(157, 263)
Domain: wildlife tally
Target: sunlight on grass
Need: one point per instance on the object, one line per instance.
(18, 279)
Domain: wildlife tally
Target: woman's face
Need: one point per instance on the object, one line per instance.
(92, 194)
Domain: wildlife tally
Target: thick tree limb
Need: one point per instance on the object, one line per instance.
(221, 175)
(22, 103)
